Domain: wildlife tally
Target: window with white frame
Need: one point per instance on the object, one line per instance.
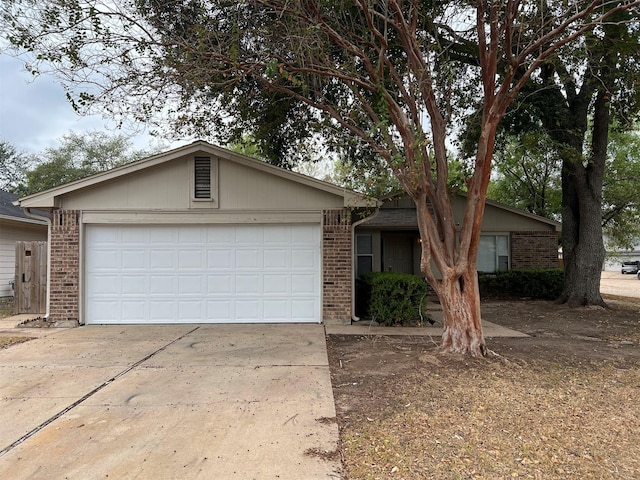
(493, 253)
(364, 253)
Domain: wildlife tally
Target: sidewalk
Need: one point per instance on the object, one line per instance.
(490, 330)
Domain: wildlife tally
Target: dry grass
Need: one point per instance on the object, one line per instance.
(563, 403)
(6, 341)
(499, 420)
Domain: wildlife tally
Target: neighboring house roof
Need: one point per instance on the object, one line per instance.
(398, 211)
(47, 199)
(9, 211)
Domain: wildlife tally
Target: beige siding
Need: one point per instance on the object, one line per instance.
(242, 188)
(500, 220)
(164, 187)
(10, 233)
(167, 187)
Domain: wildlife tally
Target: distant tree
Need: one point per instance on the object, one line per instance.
(527, 174)
(621, 192)
(79, 155)
(13, 168)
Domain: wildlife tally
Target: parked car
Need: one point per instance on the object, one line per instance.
(630, 267)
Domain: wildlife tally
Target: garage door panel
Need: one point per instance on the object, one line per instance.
(160, 259)
(303, 259)
(162, 311)
(277, 235)
(104, 311)
(220, 310)
(195, 236)
(210, 273)
(134, 259)
(248, 259)
(302, 309)
(304, 284)
(248, 285)
(191, 259)
(134, 285)
(191, 311)
(107, 285)
(248, 310)
(219, 284)
(165, 235)
(105, 259)
(246, 234)
(301, 236)
(220, 258)
(133, 310)
(191, 285)
(162, 284)
(277, 284)
(276, 310)
(220, 236)
(275, 258)
(104, 236)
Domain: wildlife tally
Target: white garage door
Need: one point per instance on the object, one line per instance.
(202, 274)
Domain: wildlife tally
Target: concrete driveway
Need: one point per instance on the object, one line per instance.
(615, 283)
(168, 402)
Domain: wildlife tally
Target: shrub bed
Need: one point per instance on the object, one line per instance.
(392, 298)
(543, 284)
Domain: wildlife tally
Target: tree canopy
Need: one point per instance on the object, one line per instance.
(528, 169)
(78, 155)
(13, 168)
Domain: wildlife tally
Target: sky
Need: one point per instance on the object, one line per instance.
(35, 113)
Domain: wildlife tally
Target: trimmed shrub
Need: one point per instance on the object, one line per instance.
(392, 298)
(543, 284)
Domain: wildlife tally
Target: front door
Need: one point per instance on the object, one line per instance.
(397, 252)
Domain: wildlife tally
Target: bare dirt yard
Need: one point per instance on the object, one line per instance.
(561, 404)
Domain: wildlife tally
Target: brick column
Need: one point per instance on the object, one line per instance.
(336, 267)
(65, 266)
(530, 250)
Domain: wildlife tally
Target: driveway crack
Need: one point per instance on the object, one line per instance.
(91, 393)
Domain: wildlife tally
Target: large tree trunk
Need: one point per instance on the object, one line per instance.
(582, 245)
(582, 241)
(460, 300)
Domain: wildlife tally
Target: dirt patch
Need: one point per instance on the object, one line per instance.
(563, 403)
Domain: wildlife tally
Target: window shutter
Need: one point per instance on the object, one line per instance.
(202, 177)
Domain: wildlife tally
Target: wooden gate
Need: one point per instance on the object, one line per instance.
(30, 290)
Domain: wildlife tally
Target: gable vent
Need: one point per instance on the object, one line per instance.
(202, 177)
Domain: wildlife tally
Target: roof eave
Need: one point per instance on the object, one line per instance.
(22, 220)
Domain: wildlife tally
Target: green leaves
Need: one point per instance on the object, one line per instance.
(78, 156)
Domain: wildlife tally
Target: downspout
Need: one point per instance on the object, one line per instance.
(35, 216)
(353, 261)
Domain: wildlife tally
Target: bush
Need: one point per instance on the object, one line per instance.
(537, 284)
(392, 298)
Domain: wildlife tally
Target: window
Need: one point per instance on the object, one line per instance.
(493, 253)
(364, 254)
(202, 178)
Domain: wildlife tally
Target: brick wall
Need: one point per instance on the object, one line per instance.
(65, 266)
(534, 250)
(336, 267)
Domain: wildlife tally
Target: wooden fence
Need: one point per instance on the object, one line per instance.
(30, 290)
